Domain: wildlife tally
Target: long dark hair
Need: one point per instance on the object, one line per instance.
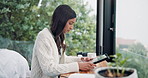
(59, 19)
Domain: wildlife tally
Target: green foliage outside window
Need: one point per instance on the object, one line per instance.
(137, 61)
(138, 48)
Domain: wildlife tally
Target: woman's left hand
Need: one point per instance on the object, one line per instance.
(86, 59)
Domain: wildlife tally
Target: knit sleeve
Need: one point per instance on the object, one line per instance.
(46, 60)
(69, 59)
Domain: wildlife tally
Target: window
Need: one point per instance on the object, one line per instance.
(128, 21)
(132, 39)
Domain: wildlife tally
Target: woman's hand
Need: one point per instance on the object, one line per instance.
(85, 66)
(86, 59)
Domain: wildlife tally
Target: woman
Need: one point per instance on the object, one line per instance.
(48, 59)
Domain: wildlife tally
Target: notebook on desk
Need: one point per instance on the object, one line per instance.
(78, 75)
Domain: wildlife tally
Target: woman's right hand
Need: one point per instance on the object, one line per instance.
(85, 66)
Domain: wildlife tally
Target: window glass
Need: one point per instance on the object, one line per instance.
(131, 33)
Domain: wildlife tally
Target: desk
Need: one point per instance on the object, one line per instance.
(101, 64)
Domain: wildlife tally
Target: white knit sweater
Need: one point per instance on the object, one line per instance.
(45, 60)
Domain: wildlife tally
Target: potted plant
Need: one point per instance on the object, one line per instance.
(116, 70)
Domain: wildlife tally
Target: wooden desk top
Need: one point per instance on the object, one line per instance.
(101, 64)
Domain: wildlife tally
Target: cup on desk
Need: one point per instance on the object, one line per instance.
(91, 55)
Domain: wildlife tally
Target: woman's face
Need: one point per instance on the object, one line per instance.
(69, 25)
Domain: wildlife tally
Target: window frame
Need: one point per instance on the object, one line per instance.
(105, 27)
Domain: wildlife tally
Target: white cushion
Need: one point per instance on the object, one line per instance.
(13, 65)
